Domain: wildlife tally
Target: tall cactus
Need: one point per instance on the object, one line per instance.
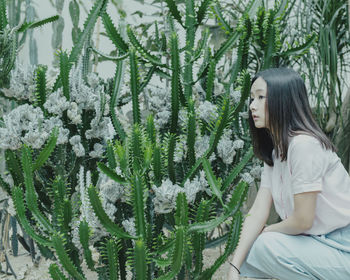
(145, 158)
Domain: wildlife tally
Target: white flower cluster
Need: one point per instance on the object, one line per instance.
(90, 96)
(22, 83)
(256, 171)
(159, 103)
(227, 148)
(165, 195)
(78, 148)
(246, 177)
(235, 95)
(202, 145)
(129, 226)
(110, 192)
(56, 103)
(98, 151)
(180, 148)
(26, 125)
(86, 211)
(207, 111)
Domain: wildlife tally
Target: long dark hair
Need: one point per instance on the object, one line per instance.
(289, 114)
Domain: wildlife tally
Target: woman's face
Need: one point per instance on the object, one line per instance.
(258, 95)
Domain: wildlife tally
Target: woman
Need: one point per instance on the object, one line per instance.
(305, 180)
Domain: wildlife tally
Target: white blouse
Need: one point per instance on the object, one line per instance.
(310, 167)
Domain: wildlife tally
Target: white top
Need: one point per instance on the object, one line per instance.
(310, 167)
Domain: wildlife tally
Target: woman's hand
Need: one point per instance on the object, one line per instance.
(232, 274)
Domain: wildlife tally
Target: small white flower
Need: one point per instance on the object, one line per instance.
(238, 144)
(226, 150)
(235, 95)
(256, 171)
(73, 113)
(202, 145)
(22, 83)
(101, 129)
(246, 177)
(78, 148)
(56, 103)
(165, 196)
(98, 151)
(207, 111)
(129, 226)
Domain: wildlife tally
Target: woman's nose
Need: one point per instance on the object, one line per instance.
(252, 106)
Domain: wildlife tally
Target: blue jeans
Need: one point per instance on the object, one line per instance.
(299, 257)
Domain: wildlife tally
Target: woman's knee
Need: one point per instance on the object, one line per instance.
(266, 244)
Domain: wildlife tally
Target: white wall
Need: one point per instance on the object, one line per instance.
(43, 34)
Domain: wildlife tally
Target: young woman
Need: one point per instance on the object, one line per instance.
(305, 180)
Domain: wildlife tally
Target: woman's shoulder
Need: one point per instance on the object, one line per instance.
(304, 143)
(303, 137)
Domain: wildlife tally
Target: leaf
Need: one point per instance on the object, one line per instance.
(31, 196)
(35, 24)
(18, 201)
(117, 85)
(138, 206)
(178, 254)
(5, 186)
(113, 34)
(66, 262)
(217, 10)
(144, 52)
(300, 49)
(111, 227)
(3, 15)
(111, 173)
(47, 150)
(134, 87)
(174, 11)
(88, 27)
(40, 87)
(84, 235)
(231, 244)
(140, 259)
(202, 10)
(175, 83)
(65, 67)
(55, 272)
(213, 183)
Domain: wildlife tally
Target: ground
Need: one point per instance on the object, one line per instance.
(25, 269)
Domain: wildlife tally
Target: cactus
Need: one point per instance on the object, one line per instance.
(152, 236)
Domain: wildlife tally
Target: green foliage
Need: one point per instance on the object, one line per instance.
(65, 67)
(175, 82)
(134, 86)
(30, 25)
(66, 262)
(113, 33)
(55, 272)
(84, 235)
(112, 228)
(47, 150)
(112, 256)
(144, 155)
(3, 15)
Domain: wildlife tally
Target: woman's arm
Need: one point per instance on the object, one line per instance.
(302, 218)
(253, 225)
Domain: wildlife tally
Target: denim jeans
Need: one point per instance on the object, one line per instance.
(299, 257)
